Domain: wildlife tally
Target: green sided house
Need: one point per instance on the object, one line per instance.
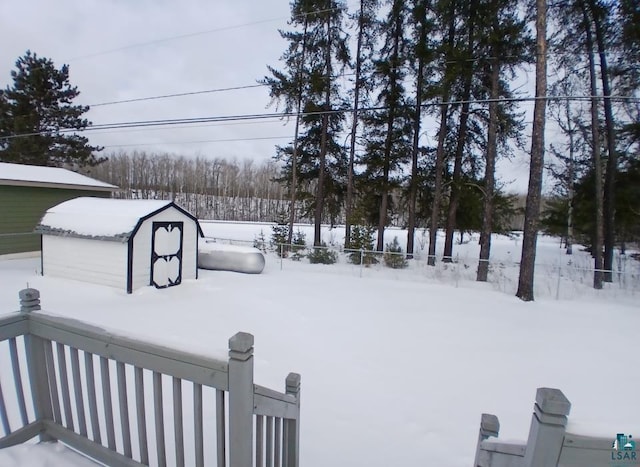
(27, 191)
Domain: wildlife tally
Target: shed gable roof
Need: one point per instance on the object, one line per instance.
(103, 218)
(48, 177)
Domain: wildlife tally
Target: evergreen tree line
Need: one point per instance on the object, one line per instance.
(571, 218)
(596, 52)
(403, 107)
(406, 63)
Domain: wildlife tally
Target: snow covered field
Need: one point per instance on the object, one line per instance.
(396, 366)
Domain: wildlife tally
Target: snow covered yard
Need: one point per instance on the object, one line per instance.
(394, 372)
(558, 275)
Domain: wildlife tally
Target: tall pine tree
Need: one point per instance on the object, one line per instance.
(507, 46)
(367, 27)
(313, 61)
(388, 130)
(422, 53)
(39, 123)
(536, 165)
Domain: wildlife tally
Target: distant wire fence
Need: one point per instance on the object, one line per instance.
(566, 277)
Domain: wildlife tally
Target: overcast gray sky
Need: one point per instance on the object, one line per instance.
(128, 49)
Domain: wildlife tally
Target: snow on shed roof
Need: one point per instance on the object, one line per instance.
(52, 177)
(98, 217)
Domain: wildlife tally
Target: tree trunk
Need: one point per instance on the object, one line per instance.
(384, 204)
(612, 164)
(294, 155)
(437, 189)
(354, 129)
(597, 162)
(489, 172)
(570, 184)
(413, 183)
(384, 193)
(442, 133)
(462, 137)
(532, 209)
(454, 200)
(317, 235)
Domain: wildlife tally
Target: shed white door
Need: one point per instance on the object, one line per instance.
(166, 254)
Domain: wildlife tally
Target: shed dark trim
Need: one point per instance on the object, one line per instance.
(157, 211)
(155, 257)
(135, 231)
(130, 265)
(41, 257)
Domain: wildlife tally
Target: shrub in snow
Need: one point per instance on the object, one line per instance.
(394, 256)
(322, 255)
(299, 246)
(362, 239)
(260, 242)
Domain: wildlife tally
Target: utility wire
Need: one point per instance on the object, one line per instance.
(199, 141)
(171, 38)
(277, 120)
(194, 93)
(199, 33)
(181, 94)
(252, 117)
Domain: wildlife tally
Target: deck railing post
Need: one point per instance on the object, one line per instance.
(36, 363)
(29, 300)
(241, 400)
(292, 455)
(548, 425)
(489, 427)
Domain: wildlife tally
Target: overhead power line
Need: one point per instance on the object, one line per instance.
(194, 93)
(195, 34)
(251, 117)
(204, 125)
(227, 140)
(181, 94)
(171, 38)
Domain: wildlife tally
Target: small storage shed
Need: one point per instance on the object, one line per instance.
(121, 243)
(27, 191)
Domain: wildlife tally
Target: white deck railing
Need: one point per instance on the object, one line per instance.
(549, 444)
(64, 389)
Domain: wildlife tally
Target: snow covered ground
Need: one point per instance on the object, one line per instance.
(558, 275)
(396, 367)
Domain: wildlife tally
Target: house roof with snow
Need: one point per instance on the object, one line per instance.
(103, 218)
(49, 177)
